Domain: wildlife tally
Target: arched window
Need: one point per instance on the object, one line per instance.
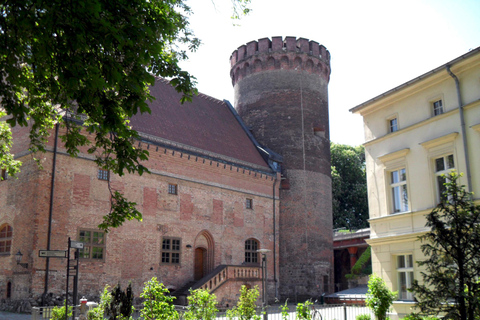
(6, 233)
(251, 254)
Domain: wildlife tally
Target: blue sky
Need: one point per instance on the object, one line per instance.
(375, 45)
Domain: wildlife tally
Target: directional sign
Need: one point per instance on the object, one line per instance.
(76, 244)
(52, 253)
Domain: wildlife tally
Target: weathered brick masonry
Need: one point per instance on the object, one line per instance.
(226, 190)
(281, 93)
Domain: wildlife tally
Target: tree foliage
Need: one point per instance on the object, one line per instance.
(349, 186)
(452, 265)
(88, 65)
(379, 297)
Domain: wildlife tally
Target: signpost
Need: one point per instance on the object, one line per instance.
(66, 254)
(52, 253)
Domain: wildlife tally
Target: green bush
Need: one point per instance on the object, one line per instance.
(246, 305)
(284, 308)
(304, 311)
(363, 317)
(121, 304)
(201, 305)
(379, 297)
(99, 312)
(58, 313)
(158, 305)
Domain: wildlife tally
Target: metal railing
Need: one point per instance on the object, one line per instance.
(327, 312)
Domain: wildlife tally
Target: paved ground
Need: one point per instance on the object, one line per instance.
(14, 316)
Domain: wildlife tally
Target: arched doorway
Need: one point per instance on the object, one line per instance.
(200, 259)
(204, 255)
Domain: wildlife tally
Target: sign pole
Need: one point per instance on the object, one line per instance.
(68, 277)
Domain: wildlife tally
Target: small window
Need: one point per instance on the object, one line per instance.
(393, 125)
(103, 174)
(251, 254)
(172, 188)
(6, 234)
(249, 204)
(398, 184)
(94, 244)
(437, 107)
(443, 166)
(405, 276)
(171, 250)
(3, 175)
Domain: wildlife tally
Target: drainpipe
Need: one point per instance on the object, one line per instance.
(275, 241)
(50, 213)
(464, 133)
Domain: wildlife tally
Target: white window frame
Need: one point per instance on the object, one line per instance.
(399, 190)
(437, 107)
(390, 127)
(437, 148)
(407, 271)
(442, 174)
(395, 161)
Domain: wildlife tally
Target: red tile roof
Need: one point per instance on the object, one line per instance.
(205, 123)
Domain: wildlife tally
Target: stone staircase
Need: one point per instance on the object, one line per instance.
(218, 278)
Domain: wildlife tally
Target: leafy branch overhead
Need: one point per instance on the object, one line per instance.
(89, 64)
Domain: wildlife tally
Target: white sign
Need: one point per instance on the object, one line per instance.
(52, 253)
(76, 244)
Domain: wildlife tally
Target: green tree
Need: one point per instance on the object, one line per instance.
(349, 186)
(246, 308)
(158, 304)
(88, 65)
(201, 305)
(452, 266)
(379, 297)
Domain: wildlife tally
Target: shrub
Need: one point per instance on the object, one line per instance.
(363, 317)
(58, 313)
(121, 303)
(415, 316)
(304, 311)
(246, 305)
(284, 308)
(98, 312)
(158, 305)
(379, 297)
(201, 305)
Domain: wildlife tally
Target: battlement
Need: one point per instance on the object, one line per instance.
(279, 53)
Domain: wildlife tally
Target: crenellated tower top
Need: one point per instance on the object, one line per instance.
(287, 53)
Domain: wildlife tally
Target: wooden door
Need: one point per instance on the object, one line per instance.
(199, 271)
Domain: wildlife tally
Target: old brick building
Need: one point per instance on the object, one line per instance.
(214, 197)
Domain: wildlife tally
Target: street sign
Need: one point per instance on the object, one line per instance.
(76, 244)
(52, 253)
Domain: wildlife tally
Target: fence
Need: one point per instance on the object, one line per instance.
(327, 312)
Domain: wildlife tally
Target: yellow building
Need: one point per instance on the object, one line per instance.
(414, 133)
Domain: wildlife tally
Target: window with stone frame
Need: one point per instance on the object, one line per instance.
(172, 188)
(103, 174)
(437, 107)
(405, 276)
(249, 203)
(443, 166)
(398, 185)
(6, 235)
(251, 254)
(94, 244)
(171, 250)
(392, 125)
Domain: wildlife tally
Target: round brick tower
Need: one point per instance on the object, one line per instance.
(281, 93)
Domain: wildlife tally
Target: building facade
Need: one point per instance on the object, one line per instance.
(415, 133)
(214, 197)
